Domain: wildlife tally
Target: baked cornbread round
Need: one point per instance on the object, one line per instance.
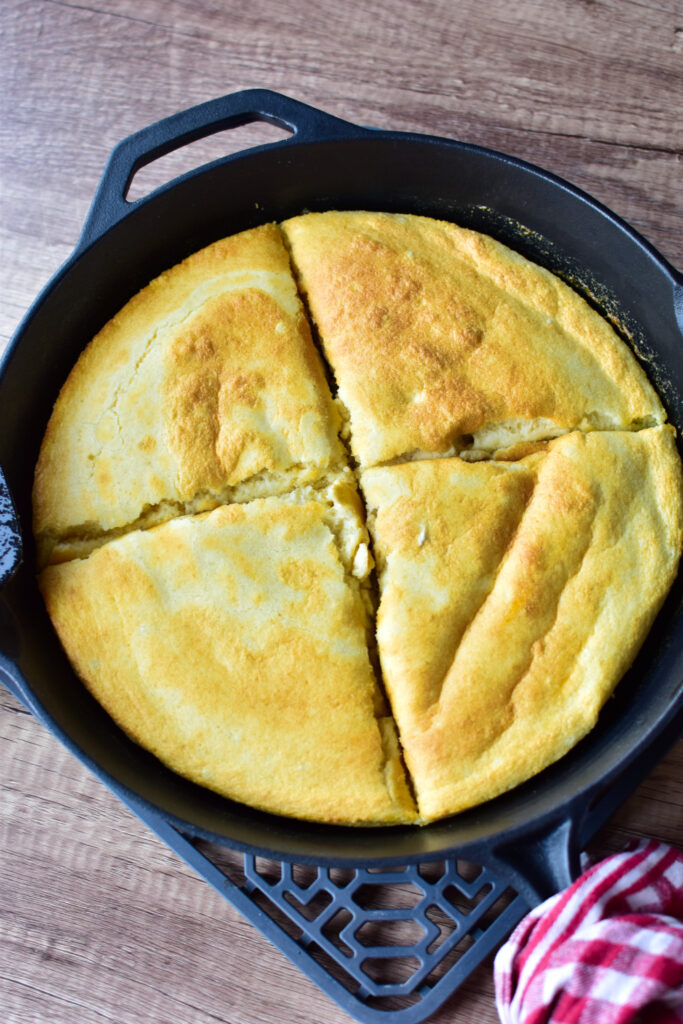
(359, 518)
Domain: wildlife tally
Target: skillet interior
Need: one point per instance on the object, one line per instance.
(374, 170)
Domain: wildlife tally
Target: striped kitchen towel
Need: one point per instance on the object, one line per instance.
(607, 950)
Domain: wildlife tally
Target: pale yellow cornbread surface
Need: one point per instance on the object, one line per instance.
(435, 332)
(233, 646)
(206, 379)
(513, 597)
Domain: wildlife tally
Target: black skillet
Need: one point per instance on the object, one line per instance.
(533, 834)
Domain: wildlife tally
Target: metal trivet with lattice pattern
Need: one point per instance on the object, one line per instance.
(391, 943)
(385, 944)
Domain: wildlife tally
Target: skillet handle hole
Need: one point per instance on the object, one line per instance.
(203, 151)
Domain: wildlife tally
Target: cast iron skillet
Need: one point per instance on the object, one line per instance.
(534, 833)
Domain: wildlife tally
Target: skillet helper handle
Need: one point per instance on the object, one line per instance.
(231, 111)
(540, 865)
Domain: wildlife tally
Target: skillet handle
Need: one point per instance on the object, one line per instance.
(547, 860)
(232, 111)
(541, 864)
(10, 534)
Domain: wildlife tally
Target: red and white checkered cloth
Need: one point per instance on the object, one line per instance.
(607, 950)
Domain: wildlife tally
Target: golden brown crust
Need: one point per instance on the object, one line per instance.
(513, 599)
(205, 379)
(232, 646)
(435, 332)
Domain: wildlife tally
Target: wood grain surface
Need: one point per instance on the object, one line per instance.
(99, 921)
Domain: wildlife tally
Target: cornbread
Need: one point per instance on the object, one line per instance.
(383, 599)
(443, 340)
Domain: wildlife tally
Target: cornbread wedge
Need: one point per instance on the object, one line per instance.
(204, 388)
(443, 340)
(233, 646)
(513, 597)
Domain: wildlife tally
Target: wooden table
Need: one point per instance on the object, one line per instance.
(98, 920)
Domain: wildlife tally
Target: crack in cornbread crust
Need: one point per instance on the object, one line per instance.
(86, 537)
(507, 440)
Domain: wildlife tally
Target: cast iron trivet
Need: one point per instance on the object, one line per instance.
(385, 944)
